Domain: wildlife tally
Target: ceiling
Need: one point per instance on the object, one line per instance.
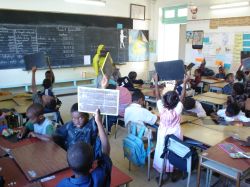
(212, 2)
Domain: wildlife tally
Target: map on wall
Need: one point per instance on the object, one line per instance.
(138, 45)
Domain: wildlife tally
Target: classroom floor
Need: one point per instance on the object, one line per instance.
(139, 174)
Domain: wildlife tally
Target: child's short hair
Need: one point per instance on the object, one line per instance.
(132, 75)
(238, 88)
(240, 75)
(228, 75)
(188, 103)
(80, 158)
(137, 94)
(170, 99)
(232, 109)
(36, 109)
(47, 83)
(51, 104)
(198, 71)
(74, 108)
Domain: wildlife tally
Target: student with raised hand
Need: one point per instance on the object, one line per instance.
(48, 101)
(125, 99)
(170, 108)
(80, 128)
(80, 159)
(38, 126)
(221, 73)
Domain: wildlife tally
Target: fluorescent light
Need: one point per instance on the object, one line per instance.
(230, 5)
(88, 2)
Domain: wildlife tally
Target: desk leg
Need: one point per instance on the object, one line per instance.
(106, 119)
(238, 180)
(198, 173)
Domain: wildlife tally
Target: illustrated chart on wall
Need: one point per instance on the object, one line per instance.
(221, 46)
(91, 99)
(138, 45)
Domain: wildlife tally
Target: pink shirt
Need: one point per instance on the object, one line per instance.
(125, 99)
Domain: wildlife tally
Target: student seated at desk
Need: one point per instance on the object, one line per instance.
(81, 128)
(80, 158)
(132, 76)
(193, 107)
(170, 109)
(238, 96)
(197, 79)
(228, 89)
(48, 101)
(221, 74)
(125, 99)
(38, 126)
(135, 112)
(233, 113)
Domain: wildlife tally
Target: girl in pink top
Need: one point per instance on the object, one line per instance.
(170, 109)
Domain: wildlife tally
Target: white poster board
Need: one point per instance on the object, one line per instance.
(90, 99)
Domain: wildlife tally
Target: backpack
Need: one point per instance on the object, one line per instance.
(133, 146)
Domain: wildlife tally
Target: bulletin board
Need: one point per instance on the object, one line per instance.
(222, 45)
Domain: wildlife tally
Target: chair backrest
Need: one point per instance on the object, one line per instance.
(178, 148)
(53, 116)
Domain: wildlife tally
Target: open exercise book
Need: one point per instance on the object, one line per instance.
(230, 148)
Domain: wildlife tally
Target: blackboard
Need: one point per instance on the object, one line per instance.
(36, 59)
(65, 38)
(65, 45)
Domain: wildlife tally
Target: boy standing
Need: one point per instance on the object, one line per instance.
(38, 126)
(80, 158)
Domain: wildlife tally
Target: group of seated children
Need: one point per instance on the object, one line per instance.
(83, 138)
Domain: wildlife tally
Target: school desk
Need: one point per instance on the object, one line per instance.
(40, 159)
(209, 80)
(233, 129)
(215, 95)
(202, 134)
(218, 86)
(215, 159)
(2, 152)
(210, 100)
(118, 177)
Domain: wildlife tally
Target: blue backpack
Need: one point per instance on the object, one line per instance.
(133, 146)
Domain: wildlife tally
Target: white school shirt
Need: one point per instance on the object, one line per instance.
(198, 109)
(41, 128)
(136, 113)
(240, 117)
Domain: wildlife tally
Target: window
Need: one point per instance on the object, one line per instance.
(176, 14)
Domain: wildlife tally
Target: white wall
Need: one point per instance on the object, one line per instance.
(116, 8)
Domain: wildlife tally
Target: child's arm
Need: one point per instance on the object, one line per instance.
(33, 80)
(50, 69)
(102, 134)
(157, 93)
(105, 82)
(22, 133)
(39, 136)
(183, 92)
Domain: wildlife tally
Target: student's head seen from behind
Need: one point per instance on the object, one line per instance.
(138, 97)
(240, 75)
(35, 113)
(47, 83)
(132, 75)
(232, 110)
(49, 75)
(238, 89)
(49, 102)
(79, 118)
(188, 103)
(80, 158)
(230, 78)
(170, 99)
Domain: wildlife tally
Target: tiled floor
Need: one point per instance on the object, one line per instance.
(139, 174)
